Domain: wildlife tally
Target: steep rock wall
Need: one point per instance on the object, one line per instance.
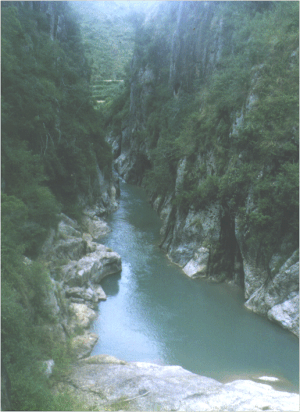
(210, 237)
(77, 263)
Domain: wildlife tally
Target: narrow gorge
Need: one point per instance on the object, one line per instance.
(208, 175)
(150, 206)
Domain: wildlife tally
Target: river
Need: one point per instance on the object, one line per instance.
(154, 313)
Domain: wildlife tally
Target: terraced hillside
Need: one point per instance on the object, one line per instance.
(102, 90)
(108, 30)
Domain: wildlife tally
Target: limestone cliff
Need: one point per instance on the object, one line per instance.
(191, 137)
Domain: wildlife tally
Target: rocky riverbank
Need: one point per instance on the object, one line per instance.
(77, 263)
(272, 292)
(104, 382)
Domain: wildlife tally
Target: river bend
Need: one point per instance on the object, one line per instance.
(154, 313)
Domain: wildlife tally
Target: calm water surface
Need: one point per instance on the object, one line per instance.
(154, 313)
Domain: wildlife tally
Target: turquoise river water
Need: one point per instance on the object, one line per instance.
(154, 313)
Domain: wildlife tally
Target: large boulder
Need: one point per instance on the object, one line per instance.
(106, 382)
(92, 267)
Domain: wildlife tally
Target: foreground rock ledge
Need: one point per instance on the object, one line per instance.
(105, 382)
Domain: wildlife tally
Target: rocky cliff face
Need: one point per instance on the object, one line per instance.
(208, 238)
(77, 263)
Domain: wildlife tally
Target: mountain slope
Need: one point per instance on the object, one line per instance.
(210, 129)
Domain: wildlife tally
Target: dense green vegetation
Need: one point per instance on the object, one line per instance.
(254, 83)
(52, 142)
(51, 136)
(107, 36)
(108, 31)
(53, 139)
(260, 57)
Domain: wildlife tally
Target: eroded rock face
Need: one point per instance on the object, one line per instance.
(278, 298)
(191, 231)
(106, 381)
(77, 265)
(92, 267)
(92, 293)
(287, 314)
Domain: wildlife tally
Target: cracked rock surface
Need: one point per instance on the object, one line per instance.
(104, 381)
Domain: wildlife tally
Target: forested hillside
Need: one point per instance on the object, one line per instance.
(52, 145)
(209, 126)
(108, 30)
(206, 120)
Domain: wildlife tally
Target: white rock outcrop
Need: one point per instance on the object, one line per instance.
(279, 297)
(92, 267)
(197, 266)
(83, 315)
(105, 381)
(287, 314)
(83, 345)
(76, 266)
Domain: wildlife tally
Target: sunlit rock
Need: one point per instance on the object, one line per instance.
(279, 297)
(92, 267)
(139, 386)
(90, 295)
(287, 314)
(82, 314)
(197, 266)
(103, 359)
(82, 345)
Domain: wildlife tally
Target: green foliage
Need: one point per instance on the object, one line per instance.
(24, 289)
(52, 144)
(21, 353)
(257, 71)
(107, 31)
(51, 135)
